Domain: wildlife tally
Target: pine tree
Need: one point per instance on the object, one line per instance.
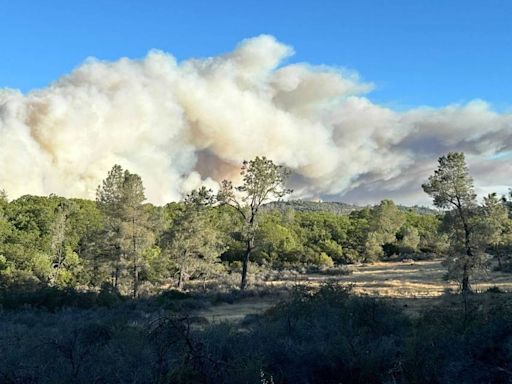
(451, 187)
(121, 198)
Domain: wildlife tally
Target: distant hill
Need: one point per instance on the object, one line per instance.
(335, 207)
(418, 209)
(314, 206)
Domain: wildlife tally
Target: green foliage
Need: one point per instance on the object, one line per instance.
(193, 242)
(120, 198)
(335, 207)
(496, 228)
(38, 239)
(323, 260)
(451, 186)
(262, 181)
(432, 240)
(139, 248)
(384, 223)
(278, 243)
(49, 298)
(409, 239)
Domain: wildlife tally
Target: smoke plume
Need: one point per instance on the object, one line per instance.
(185, 124)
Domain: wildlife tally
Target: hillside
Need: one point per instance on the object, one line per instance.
(335, 207)
(313, 206)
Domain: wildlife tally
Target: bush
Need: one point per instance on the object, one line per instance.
(322, 259)
(109, 296)
(494, 289)
(505, 267)
(49, 298)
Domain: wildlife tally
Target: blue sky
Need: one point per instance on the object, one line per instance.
(415, 52)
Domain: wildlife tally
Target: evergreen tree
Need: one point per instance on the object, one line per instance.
(194, 242)
(497, 226)
(121, 197)
(451, 187)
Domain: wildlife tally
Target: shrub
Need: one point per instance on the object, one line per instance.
(494, 289)
(322, 259)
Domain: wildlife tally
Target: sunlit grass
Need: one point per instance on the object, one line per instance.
(403, 281)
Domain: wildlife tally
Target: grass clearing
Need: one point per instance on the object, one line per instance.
(414, 285)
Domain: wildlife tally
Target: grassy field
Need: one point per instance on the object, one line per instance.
(412, 279)
(414, 285)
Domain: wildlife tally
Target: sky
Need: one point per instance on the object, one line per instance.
(441, 67)
(430, 52)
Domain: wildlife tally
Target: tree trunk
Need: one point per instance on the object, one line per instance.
(117, 266)
(116, 277)
(135, 279)
(465, 286)
(465, 280)
(135, 266)
(245, 265)
(498, 256)
(181, 278)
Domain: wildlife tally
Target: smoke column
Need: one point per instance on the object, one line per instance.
(182, 125)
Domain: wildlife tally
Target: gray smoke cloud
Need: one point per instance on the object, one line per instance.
(185, 124)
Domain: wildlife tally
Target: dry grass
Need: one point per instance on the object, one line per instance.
(413, 285)
(402, 280)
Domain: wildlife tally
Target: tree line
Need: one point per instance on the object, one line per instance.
(119, 241)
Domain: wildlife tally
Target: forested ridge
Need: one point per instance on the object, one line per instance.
(337, 207)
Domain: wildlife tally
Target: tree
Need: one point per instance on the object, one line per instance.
(409, 239)
(4, 224)
(357, 235)
(386, 219)
(427, 226)
(451, 187)
(58, 233)
(384, 222)
(65, 262)
(121, 198)
(193, 241)
(497, 227)
(262, 181)
(109, 201)
(27, 244)
(3, 200)
(373, 247)
(137, 236)
(85, 235)
(508, 202)
(278, 242)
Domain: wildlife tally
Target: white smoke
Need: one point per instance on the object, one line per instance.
(180, 125)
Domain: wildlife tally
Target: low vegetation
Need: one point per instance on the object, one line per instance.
(325, 335)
